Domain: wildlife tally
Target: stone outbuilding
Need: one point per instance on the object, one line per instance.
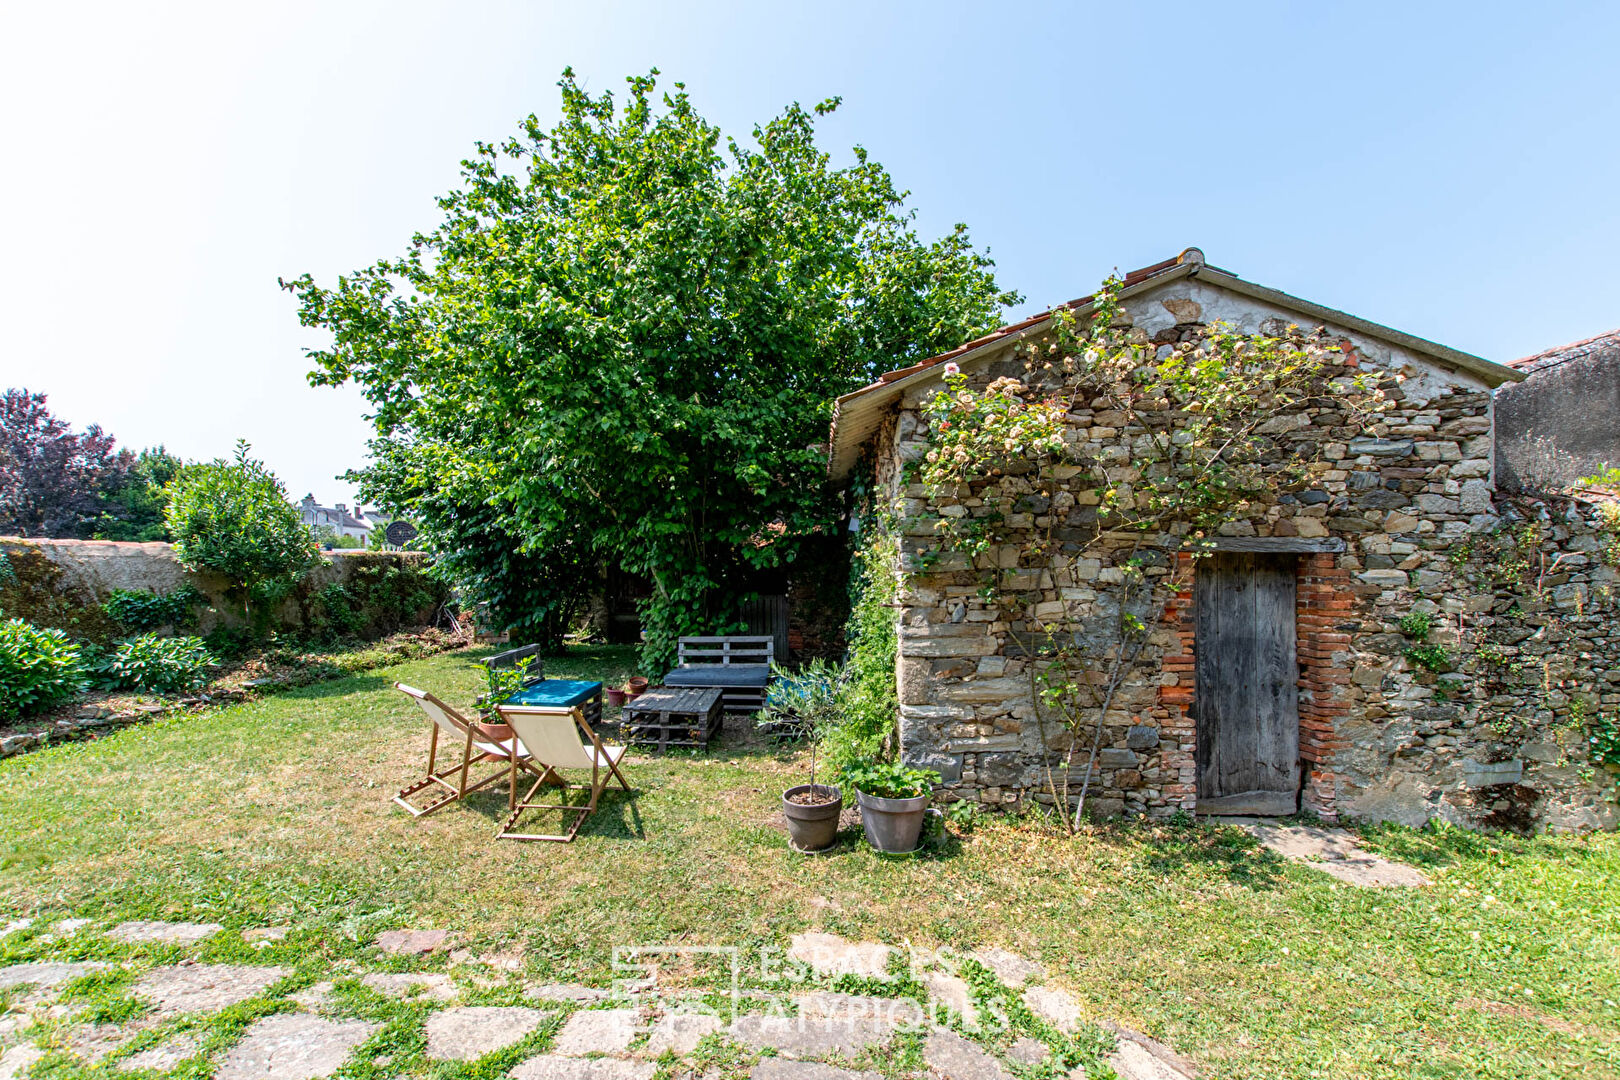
(1562, 423)
(1282, 672)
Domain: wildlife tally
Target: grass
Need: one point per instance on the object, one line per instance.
(277, 811)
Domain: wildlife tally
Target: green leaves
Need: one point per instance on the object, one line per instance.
(621, 345)
(233, 518)
(39, 668)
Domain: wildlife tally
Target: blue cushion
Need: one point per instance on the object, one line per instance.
(719, 675)
(563, 692)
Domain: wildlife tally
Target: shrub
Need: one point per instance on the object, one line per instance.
(800, 703)
(157, 665)
(867, 701)
(233, 518)
(39, 668)
(889, 779)
(337, 614)
(1417, 625)
(140, 610)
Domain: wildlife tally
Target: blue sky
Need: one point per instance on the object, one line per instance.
(1448, 169)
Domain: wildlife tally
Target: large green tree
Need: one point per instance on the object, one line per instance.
(621, 345)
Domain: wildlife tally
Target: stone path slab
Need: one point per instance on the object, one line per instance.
(828, 1024)
(47, 973)
(1009, 967)
(186, 988)
(293, 1046)
(550, 1067)
(15, 925)
(951, 1057)
(1335, 852)
(16, 1062)
(953, 993)
(679, 1033)
(783, 1069)
(829, 954)
(162, 1057)
(598, 1031)
(411, 984)
(1054, 1006)
(1133, 1062)
(1028, 1051)
(470, 1032)
(412, 942)
(71, 926)
(151, 932)
(1138, 1057)
(565, 992)
(266, 933)
(313, 997)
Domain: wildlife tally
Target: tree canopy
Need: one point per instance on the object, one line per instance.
(233, 518)
(621, 345)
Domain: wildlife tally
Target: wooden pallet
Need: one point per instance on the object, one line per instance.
(673, 716)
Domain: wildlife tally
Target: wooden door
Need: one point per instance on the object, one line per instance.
(1247, 702)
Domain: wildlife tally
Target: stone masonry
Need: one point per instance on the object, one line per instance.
(1521, 595)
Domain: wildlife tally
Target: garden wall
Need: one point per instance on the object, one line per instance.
(62, 583)
(1484, 720)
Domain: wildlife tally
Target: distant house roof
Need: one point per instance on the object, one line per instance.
(1563, 354)
(857, 415)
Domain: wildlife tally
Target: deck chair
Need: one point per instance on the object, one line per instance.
(450, 783)
(551, 734)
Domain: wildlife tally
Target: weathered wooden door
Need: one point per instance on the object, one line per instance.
(1247, 701)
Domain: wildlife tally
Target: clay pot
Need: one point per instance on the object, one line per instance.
(615, 696)
(892, 825)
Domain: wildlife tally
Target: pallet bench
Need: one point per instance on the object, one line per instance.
(739, 667)
(670, 716)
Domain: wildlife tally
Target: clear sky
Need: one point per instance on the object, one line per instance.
(1448, 169)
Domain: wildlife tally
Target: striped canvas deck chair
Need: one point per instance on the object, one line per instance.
(465, 748)
(552, 736)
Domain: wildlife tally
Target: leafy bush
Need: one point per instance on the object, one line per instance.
(1417, 625)
(889, 779)
(1432, 657)
(141, 610)
(39, 668)
(233, 518)
(867, 701)
(337, 613)
(157, 665)
(1604, 740)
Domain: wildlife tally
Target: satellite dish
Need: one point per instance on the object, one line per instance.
(400, 533)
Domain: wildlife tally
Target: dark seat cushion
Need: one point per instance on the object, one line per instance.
(719, 675)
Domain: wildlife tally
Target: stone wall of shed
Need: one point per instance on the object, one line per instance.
(1382, 738)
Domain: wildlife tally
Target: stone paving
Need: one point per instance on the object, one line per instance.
(1334, 852)
(292, 1046)
(578, 1031)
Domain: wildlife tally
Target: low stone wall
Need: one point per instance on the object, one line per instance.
(62, 583)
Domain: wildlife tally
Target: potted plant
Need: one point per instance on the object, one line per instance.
(803, 703)
(893, 801)
(502, 683)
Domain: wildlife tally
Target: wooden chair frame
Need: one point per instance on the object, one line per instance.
(471, 754)
(546, 773)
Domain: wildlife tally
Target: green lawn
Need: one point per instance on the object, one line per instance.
(278, 811)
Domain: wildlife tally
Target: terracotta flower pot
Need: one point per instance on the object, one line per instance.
(636, 685)
(615, 696)
(496, 733)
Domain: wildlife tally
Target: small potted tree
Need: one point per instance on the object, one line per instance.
(893, 801)
(803, 704)
(502, 683)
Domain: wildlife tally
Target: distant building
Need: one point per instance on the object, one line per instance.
(338, 518)
(1563, 422)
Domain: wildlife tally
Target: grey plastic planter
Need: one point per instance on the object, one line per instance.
(892, 825)
(812, 828)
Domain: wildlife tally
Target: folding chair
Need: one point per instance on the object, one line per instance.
(551, 734)
(475, 749)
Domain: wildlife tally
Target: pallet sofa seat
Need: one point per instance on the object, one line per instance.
(739, 666)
